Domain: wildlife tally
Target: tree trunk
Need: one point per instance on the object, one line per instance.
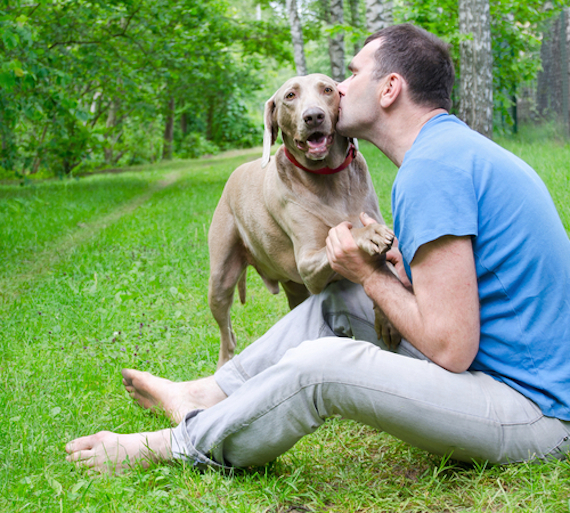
(355, 20)
(379, 14)
(38, 158)
(168, 131)
(4, 134)
(184, 123)
(549, 90)
(335, 15)
(543, 82)
(297, 37)
(476, 73)
(110, 125)
(564, 68)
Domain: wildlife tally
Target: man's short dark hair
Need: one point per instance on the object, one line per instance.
(421, 58)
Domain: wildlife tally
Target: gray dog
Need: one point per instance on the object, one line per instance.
(275, 214)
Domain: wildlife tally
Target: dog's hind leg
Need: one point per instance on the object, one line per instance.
(227, 264)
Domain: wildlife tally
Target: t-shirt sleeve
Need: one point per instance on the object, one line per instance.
(429, 201)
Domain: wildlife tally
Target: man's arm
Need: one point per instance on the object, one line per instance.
(441, 316)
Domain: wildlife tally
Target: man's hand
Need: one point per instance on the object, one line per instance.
(440, 315)
(347, 258)
(356, 264)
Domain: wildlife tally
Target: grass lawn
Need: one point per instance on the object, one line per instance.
(110, 271)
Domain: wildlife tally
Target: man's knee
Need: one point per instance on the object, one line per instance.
(325, 356)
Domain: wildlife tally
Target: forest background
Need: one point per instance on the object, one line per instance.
(89, 85)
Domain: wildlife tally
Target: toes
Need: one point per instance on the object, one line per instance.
(86, 443)
(80, 444)
(83, 457)
(128, 376)
(368, 246)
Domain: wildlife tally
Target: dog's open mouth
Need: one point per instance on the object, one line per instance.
(316, 146)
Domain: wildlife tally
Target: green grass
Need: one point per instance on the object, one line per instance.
(111, 271)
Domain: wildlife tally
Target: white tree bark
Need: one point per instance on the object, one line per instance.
(355, 19)
(297, 37)
(476, 61)
(110, 124)
(168, 130)
(378, 14)
(565, 66)
(336, 43)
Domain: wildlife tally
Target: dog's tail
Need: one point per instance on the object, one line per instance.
(241, 286)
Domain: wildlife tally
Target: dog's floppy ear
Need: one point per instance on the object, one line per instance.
(271, 130)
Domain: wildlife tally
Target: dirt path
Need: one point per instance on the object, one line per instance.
(57, 251)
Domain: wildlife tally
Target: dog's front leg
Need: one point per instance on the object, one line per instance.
(385, 330)
(314, 268)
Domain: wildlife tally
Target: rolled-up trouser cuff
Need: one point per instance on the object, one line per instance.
(183, 448)
(231, 376)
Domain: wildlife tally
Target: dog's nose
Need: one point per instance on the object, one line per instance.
(314, 117)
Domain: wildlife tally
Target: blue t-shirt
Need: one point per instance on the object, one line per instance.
(454, 181)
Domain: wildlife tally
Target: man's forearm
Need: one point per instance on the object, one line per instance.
(439, 340)
(396, 301)
(440, 317)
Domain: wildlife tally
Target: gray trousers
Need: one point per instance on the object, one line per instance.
(324, 359)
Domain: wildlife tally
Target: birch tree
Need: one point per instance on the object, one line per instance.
(168, 130)
(355, 19)
(476, 58)
(297, 37)
(564, 67)
(379, 14)
(334, 15)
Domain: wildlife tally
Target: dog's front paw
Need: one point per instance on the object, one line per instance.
(374, 239)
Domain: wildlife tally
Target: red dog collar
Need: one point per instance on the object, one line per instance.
(326, 170)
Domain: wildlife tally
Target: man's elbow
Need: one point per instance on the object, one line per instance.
(455, 357)
(456, 365)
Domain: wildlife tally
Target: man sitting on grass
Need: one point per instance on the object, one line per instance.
(482, 304)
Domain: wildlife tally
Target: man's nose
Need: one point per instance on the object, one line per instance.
(342, 87)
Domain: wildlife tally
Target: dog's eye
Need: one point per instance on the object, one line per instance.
(290, 96)
(328, 90)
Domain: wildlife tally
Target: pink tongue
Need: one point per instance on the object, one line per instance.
(320, 144)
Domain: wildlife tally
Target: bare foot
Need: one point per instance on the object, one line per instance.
(175, 399)
(112, 453)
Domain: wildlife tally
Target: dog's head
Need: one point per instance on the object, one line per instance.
(306, 110)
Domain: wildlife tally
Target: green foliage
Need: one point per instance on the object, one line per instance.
(516, 36)
(193, 145)
(515, 33)
(87, 83)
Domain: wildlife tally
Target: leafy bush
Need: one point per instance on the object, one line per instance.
(194, 145)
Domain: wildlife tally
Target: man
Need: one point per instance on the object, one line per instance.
(483, 368)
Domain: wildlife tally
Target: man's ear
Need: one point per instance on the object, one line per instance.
(390, 89)
(271, 130)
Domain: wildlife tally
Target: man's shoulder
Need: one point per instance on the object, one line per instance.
(447, 142)
(445, 136)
